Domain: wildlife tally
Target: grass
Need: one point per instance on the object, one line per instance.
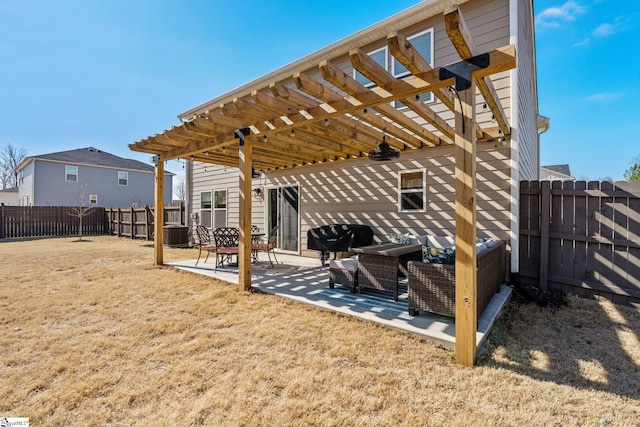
(91, 333)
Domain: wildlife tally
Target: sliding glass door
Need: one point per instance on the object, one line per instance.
(283, 212)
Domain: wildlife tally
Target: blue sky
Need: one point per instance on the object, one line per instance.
(108, 73)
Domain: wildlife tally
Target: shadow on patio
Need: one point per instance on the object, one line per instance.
(304, 280)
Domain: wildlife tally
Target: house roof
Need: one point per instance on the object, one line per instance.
(294, 117)
(555, 172)
(91, 156)
(9, 190)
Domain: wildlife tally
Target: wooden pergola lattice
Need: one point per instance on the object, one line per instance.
(336, 119)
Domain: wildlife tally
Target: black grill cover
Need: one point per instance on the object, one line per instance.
(339, 237)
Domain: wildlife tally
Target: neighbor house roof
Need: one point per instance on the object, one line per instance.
(555, 172)
(9, 190)
(91, 156)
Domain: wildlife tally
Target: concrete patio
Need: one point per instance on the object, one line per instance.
(305, 280)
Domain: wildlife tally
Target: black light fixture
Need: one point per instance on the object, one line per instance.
(384, 151)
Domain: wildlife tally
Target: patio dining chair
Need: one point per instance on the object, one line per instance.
(204, 242)
(269, 246)
(226, 239)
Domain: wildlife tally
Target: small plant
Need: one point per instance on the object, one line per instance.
(80, 209)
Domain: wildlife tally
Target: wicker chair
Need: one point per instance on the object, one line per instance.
(431, 287)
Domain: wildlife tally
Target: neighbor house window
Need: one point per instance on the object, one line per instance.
(123, 178)
(220, 208)
(205, 209)
(422, 42)
(93, 199)
(71, 173)
(412, 193)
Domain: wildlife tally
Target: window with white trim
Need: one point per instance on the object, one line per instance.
(93, 199)
(205, 209)
(421, 42)
(123, 178)
(412, 191)
(220, 208)
(71, 173)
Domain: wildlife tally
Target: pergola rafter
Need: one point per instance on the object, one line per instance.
(361, 103)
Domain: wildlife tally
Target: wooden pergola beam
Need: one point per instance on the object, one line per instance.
(466, 273)
(501, 59)
(341, 80)
(410, 58)
(460, 36)
(320, 91)
(374, 72)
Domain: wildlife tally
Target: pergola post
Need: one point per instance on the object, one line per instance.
(244, 252)
(466, 273)
(158, 222)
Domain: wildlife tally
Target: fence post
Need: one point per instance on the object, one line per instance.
(133, 223)
(146, 221)
(545, 201)
(2, 221)
(119, 216)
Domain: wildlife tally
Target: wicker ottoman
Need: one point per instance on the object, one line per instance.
(344, 271)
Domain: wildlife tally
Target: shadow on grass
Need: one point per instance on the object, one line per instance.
(586, 344)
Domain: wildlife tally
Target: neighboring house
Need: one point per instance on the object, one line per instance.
(556, 173)
(9, 196)
(87, 176)
(319, 173)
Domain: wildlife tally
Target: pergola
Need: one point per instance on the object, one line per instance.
(337, 119)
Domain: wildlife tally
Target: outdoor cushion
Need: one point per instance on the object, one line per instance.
(348, 264)
(439, 255)
(433, 253)
(400, 238)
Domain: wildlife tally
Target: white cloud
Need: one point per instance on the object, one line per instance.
(603, 97)
(604, 30)
(555, 16)
(607, 29)
(582, 42)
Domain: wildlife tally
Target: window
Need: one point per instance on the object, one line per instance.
(205, 209)
(123, 178)
(220, 208)
(93, 199)
(412, 191)
(213, 212)
(422, 42)
(71, 173)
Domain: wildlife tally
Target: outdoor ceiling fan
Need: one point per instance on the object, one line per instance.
(384, 151)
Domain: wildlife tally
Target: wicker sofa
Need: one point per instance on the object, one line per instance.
(431, 287)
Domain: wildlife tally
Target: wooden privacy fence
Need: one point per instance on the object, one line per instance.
(581, 237)
(42, 221)
(138, 222)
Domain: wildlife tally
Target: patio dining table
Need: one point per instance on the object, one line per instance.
(379, 266)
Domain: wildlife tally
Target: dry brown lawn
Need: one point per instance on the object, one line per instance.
(91, 333)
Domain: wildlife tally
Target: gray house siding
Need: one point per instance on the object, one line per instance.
(527, 131)
(25, 187)
(366, 192)
(50, 188)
